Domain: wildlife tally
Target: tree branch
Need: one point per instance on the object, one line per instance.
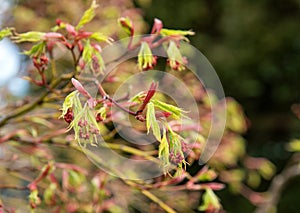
(277, 186)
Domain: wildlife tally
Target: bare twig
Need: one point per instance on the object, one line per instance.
(277, 186)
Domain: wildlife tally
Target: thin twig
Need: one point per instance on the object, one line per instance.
(278, 184)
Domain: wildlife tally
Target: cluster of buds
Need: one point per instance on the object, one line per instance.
(176, 158)
(69, 116)
(41, 62)
(86, 130)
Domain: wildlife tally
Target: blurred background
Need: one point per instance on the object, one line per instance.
(254, 46)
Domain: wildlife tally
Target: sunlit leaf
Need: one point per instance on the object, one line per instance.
(31, 36)
(49, 193)
(102, 111)
(88, 15)
(68, 103)
(209, 200)
(169, 32)
(138, 98)
(177, 112)
(5, 32)
(151, 121)
(36, 49)
(100, 37)
(163, 151)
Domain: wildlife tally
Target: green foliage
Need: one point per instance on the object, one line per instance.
(32, 36)
(88, 15)
(151, 122)
(163, 151)
(37, 49)
(5, 33)
(210, 200)
(177, 113)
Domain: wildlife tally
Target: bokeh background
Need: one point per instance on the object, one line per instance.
(254, 46)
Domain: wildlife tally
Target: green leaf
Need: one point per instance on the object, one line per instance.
(87, 52)
(209, 199)
(36, 49)
(88, 15)
(102, 111)
(68, 103)
(151, 121)
(49, 194)
(209, 175)
(5, 32)
(176, 111)
(75, 178)
(181, 33)
(87, 55)
(163, 150)
(138, 98)
(100, 37)
(31, 36)
(34, 198)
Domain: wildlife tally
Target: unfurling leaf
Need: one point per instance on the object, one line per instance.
(37, 49)
(163, 151)
(69, 102)
(138, 98)
(100, 37)
(88, 15)
(31, 36)
(177, 33)
(127, 25)
(151, 121)
(177, 112)
(5, 32)
(34, 199)
(49, 194)
(210, 201)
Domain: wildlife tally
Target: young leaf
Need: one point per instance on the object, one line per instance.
(138, 97)
(100, 37)
(87, 52)
(31, 36)
(163, 150)
(180, 34)
(5, 32)
(88, 15)
(176, 111)
(210, 200)
(151, 121)
(36, 49)
(127, 25)
(69, 102)
(102, 111)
